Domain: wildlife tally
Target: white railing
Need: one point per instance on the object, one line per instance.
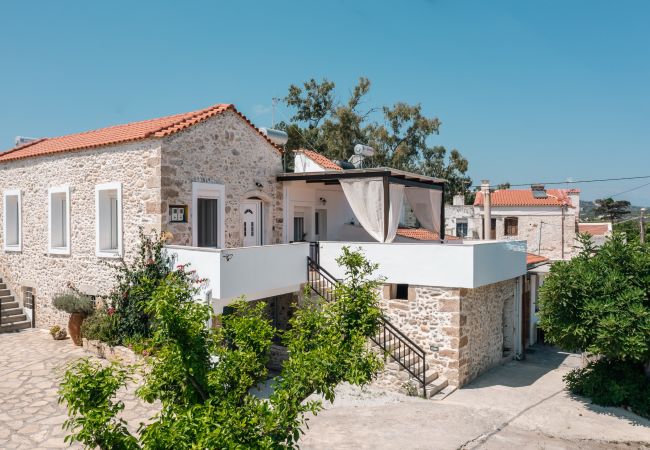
(467, 265)
(255, 272)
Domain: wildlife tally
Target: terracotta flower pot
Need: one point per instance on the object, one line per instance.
(74, 327)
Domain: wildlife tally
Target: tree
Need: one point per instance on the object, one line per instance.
(632, 229)
(399, 133)
(599, 301)
(203, 377)
(611, 209)
(505, 185)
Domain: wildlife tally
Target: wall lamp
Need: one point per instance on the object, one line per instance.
(259, 185)
(323, 201)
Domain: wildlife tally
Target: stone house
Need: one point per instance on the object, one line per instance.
(73, 203)
(547, 222)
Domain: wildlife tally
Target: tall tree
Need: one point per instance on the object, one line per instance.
(399, 133)
(612, 209)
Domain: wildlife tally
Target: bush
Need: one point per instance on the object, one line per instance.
(100, 326)
(613, 383)
(58, 333)
(74, 302)
(136, 282)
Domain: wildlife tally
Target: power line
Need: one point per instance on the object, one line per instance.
(630, 190)
(582, 181)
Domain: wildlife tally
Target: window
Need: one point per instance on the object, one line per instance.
(461, 228)
(108, 220)
(59, 220)
(511, 226)
(402, 291)
(12, 221)
(298, 229)
(208, 212)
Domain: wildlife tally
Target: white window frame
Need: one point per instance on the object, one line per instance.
(211, 191)
(13, 247)
(65, 189)
(103, 253)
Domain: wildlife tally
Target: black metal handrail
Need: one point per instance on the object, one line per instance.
(390, 339)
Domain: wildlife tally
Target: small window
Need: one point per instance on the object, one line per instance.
(108, 220)
(402, 291)
(461, 229)
(511, 226)
(12, 221)
(59, 220)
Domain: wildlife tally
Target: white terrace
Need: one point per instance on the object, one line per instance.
(326, 210)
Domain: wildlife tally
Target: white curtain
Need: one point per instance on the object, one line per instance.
(366, 198)
(426, 204)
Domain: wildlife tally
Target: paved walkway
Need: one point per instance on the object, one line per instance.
(30, 417)
(519, 405)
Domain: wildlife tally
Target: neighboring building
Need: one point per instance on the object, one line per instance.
(211, 179)
(547, 222)
(599, 231)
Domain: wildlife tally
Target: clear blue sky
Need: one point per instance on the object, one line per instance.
(527, 91)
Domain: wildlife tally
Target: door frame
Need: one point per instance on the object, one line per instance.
(210, 191)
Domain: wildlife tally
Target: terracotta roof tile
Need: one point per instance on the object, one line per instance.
(153, 128)
(524, 197)
(594, 229)
(421, 234)
(319, 159)
(532, 258)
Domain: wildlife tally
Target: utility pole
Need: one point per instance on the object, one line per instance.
(642, 226)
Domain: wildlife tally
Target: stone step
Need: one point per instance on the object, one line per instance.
(3, 285)
(14, 310)
(432, 375)
(434, 387)
(446, 392)
(12, 319)
(6, 298)
(4, 292)
(15, 326)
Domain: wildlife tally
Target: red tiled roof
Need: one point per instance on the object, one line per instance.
(319, 159)
(524, 197)
(594, 229)
(532, 258)
(421, 234)
(153, 128)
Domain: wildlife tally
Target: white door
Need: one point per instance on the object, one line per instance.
(252, 229)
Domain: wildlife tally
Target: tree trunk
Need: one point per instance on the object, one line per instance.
(646, 366)
(74, 327)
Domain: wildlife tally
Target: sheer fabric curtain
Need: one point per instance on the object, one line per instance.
(366, 198)
(426, 204)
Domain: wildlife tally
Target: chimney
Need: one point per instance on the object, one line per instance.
(458, 200)
(487, 209)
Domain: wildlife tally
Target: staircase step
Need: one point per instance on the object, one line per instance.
(446, 392)
(4, 292)
(15, 326)
(431, 376)
(436, 386)
(11, 311)
(12, 319)
(6, 298)
(3, 285)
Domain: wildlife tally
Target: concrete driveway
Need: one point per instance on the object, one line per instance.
(519, 405)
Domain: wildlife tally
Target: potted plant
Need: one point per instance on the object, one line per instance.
(79, 306)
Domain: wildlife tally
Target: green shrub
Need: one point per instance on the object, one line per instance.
(613, 383)
(74, 302)
(100, 326)
(136, 282)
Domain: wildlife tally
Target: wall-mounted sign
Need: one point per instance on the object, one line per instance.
(178, 213)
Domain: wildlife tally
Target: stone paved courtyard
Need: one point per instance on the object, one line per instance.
(30, 417)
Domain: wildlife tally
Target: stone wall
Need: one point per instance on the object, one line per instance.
(135, 165)
(224, 150)
(461, 330)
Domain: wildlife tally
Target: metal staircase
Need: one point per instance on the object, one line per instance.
(391, 341)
